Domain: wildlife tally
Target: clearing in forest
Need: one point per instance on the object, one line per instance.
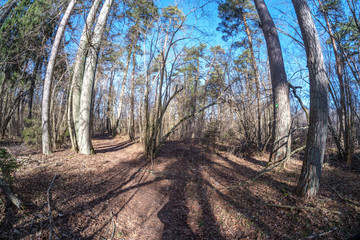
(117, 194)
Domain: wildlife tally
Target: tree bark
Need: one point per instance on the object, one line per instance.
(85, 146)
(46, 145)
(280, 87)
(132, 100)
(309, 181)
(79, 66)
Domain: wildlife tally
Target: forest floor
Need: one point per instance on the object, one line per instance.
(118, 194)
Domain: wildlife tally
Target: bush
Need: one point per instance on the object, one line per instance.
(32, 132)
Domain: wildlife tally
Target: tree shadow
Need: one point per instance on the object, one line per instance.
(255, 161)
(189, 184)
(75, 197)
(186, 184)
(114, 147)
(195, 182)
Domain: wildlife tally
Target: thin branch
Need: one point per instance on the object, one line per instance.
(49, 208)
(265, 170)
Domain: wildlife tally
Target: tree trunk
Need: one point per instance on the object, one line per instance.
(280, 87)
(342, 113)
(257, 79)
(109, 107)
(85, 146)
(123, 89)
(46, 145)
(77, 77)
(132, 100)
(308, 184)
(33, 85)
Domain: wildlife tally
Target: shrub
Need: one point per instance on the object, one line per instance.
(32, 132)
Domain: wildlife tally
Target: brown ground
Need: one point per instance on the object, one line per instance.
(116, 194)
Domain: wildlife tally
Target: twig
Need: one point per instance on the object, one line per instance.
(305, 208)
(113, 233)
(267, 169)
(320, 234)
(49, 207)
(114, 227)
(346, 199)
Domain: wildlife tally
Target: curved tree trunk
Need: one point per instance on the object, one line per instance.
(46, 145)
(280, 87)
(309, 180)
(85, 146)
(78, 73)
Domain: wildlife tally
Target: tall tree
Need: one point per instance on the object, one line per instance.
(308, 185)
(74, 103)
(46, 145)
(235, 14)
(85, 145)
(280, 87)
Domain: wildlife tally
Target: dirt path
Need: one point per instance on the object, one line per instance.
(115, 194)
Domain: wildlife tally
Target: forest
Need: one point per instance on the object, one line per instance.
(174, 119)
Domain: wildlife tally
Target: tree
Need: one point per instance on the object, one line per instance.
(6, 9)
(280, 87)
(85, 145)
(235, 14)
(24, 35)
(191, 72)
(46, 145)
(172, 20)
(75, 91)
(308, 185)
(143, 14)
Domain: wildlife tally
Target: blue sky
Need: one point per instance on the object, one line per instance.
(207, 20)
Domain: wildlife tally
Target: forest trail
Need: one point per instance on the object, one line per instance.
(115, 194)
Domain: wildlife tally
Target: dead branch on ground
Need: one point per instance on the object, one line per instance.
(49, 207)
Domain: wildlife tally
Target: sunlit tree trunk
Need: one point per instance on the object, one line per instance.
(280, 87)
(78, 74)
(308, 185)
(122, 91)
(46, 145)
(85, 146)
(132, 100)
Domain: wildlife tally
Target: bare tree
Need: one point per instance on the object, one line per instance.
(280, 87)
(309, 180)
(85, 146)
(46, 145)
(73, 117)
